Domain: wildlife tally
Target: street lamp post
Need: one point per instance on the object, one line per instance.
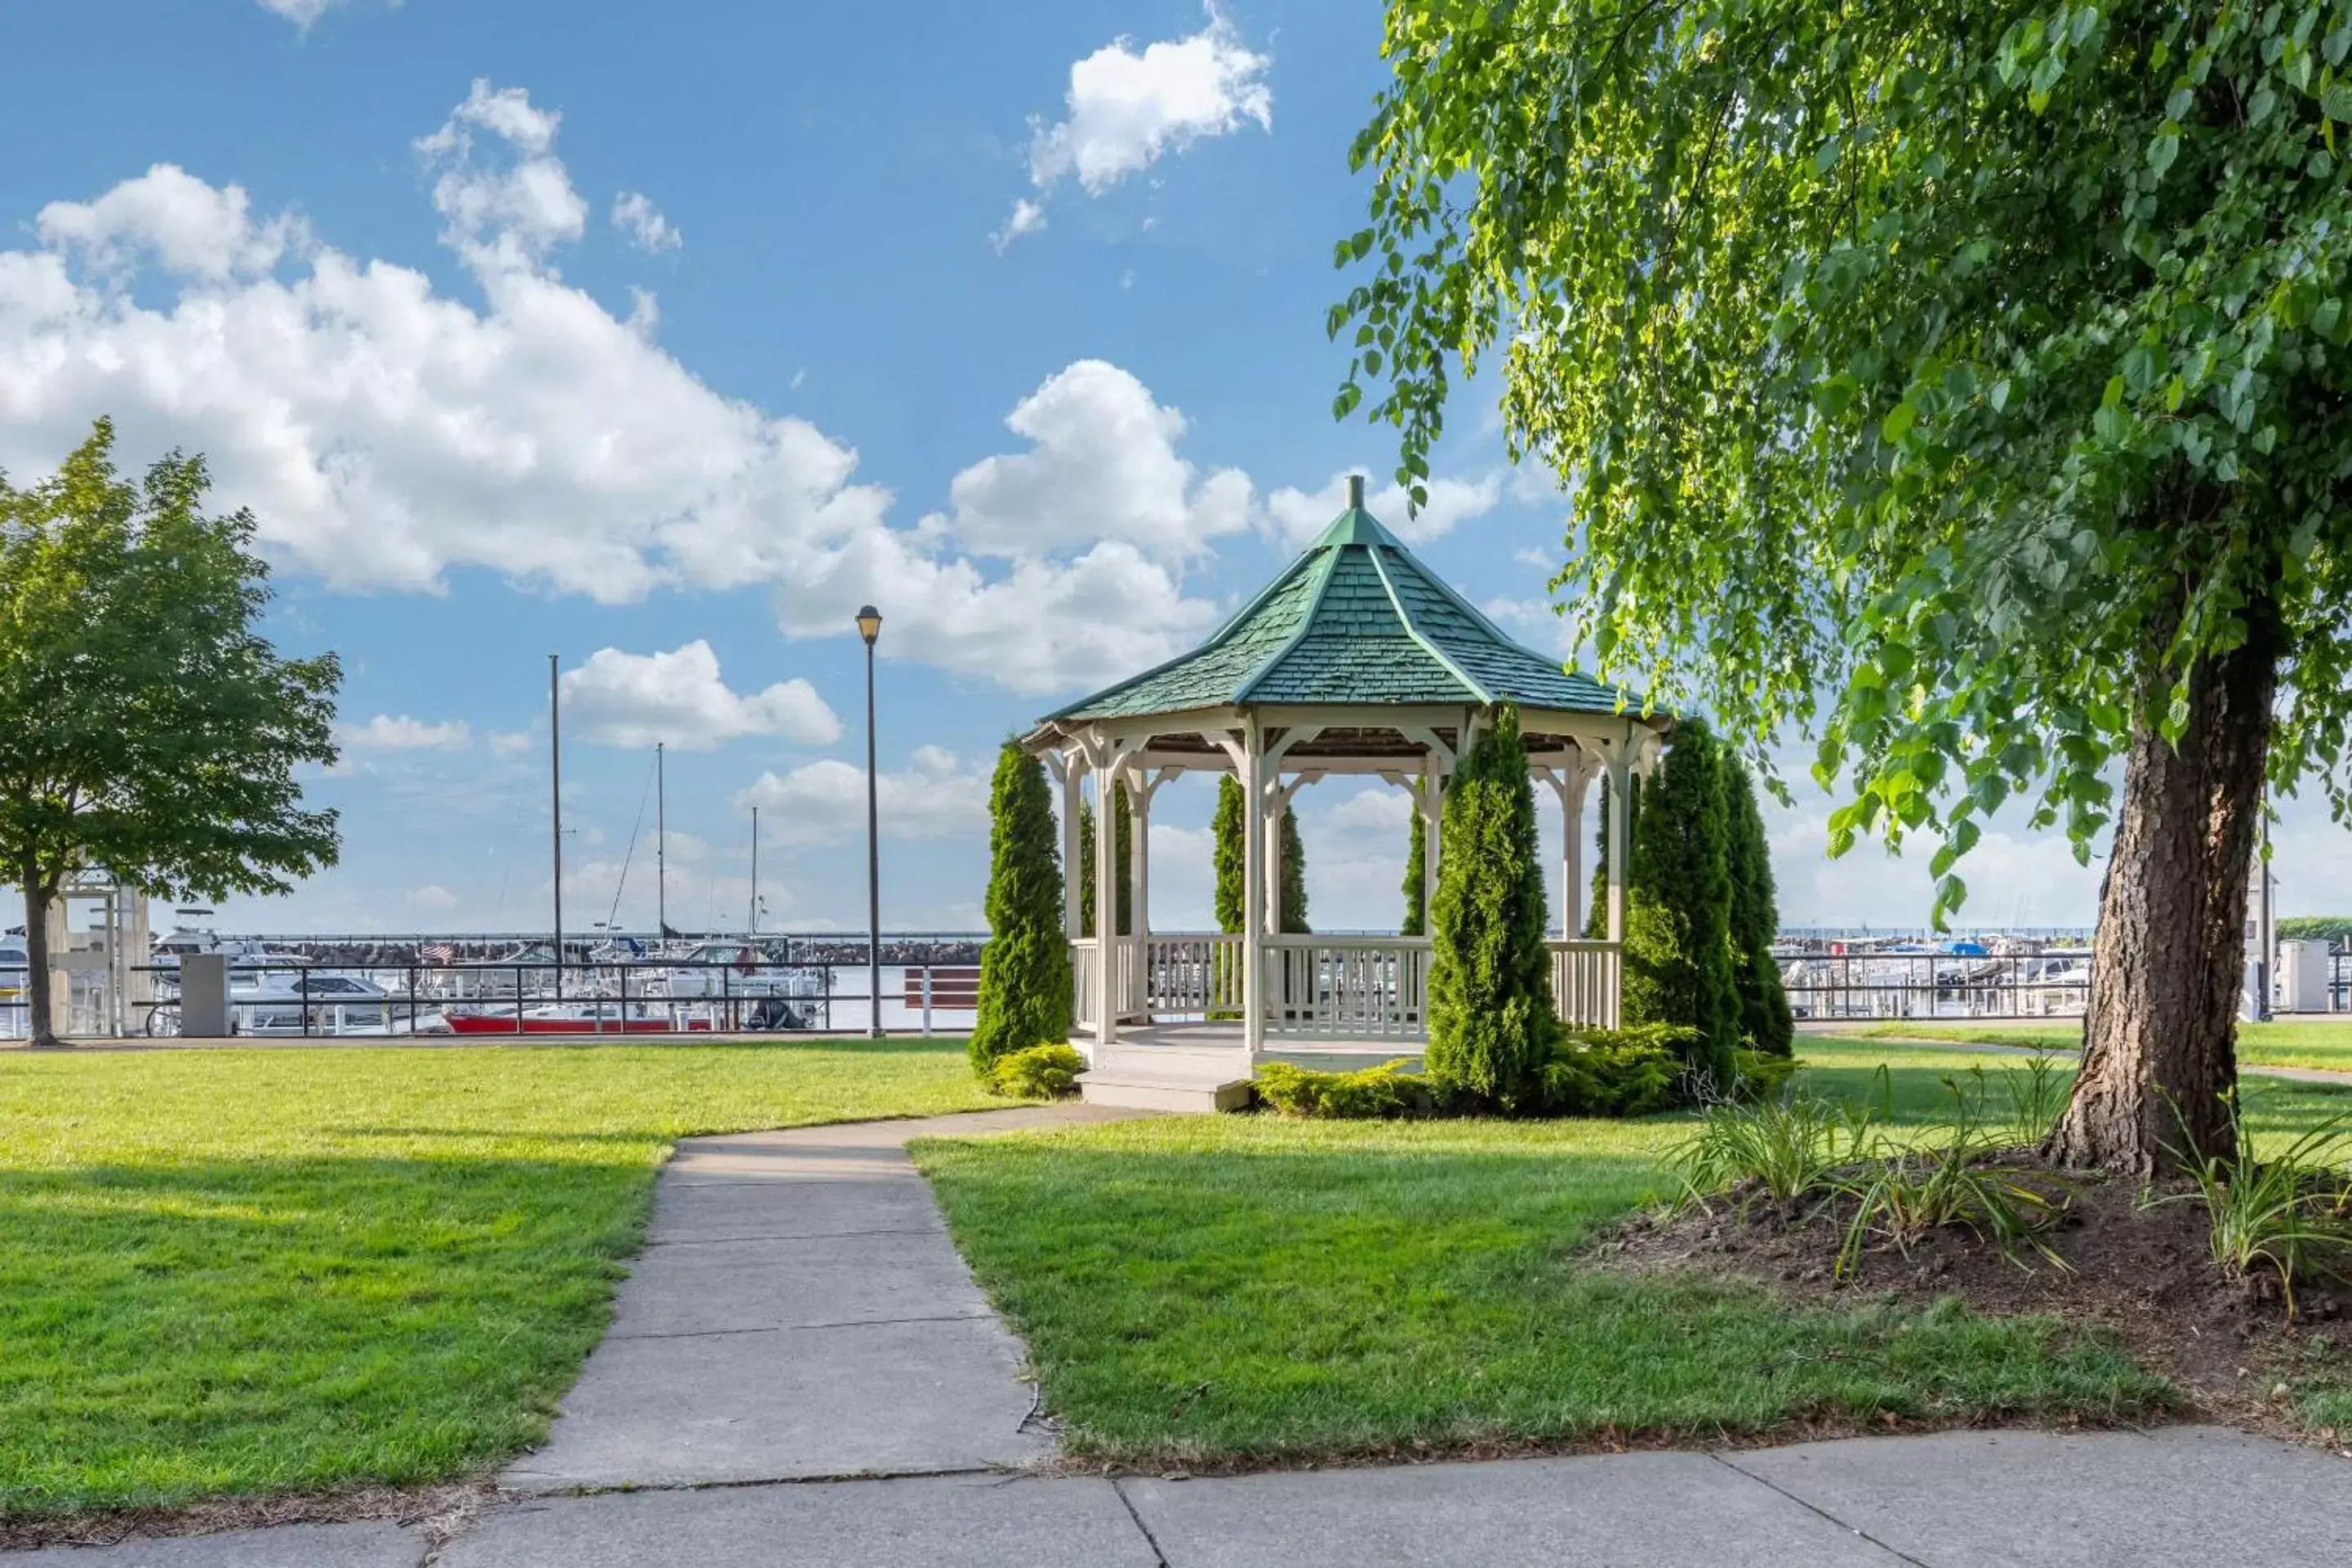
(869, 626)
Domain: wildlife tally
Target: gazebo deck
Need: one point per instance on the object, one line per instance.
(1207, 1066)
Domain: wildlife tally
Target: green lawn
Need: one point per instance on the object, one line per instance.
(269, 1271)
(2328, 1047)
(1244, 1288)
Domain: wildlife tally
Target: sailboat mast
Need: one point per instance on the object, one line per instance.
(555, 801)
(661, 841)
(755, 870)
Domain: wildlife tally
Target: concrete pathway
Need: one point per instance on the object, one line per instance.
(799, 1311)
(799, 1318)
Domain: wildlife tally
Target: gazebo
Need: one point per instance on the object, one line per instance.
(1357, 659)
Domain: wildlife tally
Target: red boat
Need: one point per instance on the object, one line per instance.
(575, 1018)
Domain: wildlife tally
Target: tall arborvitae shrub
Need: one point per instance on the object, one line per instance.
(1226, 834)
(1125, 849)
(1024, 969)
(1416, 881)
(1678, 961)
(1225, 830)
(1491, 1026)
(1764, 1016)
(1294, 878)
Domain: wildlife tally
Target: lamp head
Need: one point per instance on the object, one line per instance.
(869, 624)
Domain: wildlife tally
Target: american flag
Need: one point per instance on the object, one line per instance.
(437, 953)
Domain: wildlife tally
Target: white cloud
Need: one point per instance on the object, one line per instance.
(1536, 621)
(302, 13)
(635, 216)
(190, 228)
(1027, 217)
(1103, 467)
(1293, 517)
(386, 434)
(825, 801)
(386, 733)
(507, 214)
(432, 896)
(510, 742)
(1126, 108)
(630, 700)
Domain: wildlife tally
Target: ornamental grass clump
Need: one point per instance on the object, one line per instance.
(2277, 1220)
(1024, 969)
(1902, 1198)
(1784, 1149)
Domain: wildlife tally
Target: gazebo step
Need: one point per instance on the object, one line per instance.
(1141, 1088)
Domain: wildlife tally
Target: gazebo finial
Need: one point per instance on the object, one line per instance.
(1355, 493)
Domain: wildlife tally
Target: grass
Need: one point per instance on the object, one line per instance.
(2326, 1047)
(1242, 1290)
(227, 1272)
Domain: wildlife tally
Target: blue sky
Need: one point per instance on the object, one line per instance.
(661, 337)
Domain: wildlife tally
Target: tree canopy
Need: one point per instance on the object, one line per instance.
(1962, 382)
(1935, 360)
(146, 727)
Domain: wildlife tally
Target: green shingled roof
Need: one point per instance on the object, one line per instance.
(1355, 619)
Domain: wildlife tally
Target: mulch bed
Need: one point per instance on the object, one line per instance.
(2144, 1272)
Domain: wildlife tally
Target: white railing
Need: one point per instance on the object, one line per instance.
(1194, 976)
(1347, 988)
(1084, 953)
(1586, 977)
(1344, 988)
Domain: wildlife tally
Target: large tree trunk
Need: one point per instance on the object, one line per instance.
(36, 960)
(2159, 1043)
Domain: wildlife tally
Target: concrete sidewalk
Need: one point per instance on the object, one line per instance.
(2177, 1498)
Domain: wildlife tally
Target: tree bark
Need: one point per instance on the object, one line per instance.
(2160, 1040)
(36, 960)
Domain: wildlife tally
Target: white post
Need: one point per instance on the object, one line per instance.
(1067, 768)
(1429, 801)
(1253, 864)
(1271, 806)
(1106, 948)
(1139, 839)
(1620, 820)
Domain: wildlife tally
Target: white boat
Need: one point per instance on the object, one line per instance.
(271, 1002)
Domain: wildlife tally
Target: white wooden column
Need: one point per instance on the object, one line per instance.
(1067, 767)
(1253, 864)
(1107, 955)
(1568, 781)
(1138, 796)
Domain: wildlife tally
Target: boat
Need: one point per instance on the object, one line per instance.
(595, 1015)
(275, 1003)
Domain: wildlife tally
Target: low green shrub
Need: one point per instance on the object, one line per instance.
(1633, 1071)
(1041, 1072)
(1368, 1093)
